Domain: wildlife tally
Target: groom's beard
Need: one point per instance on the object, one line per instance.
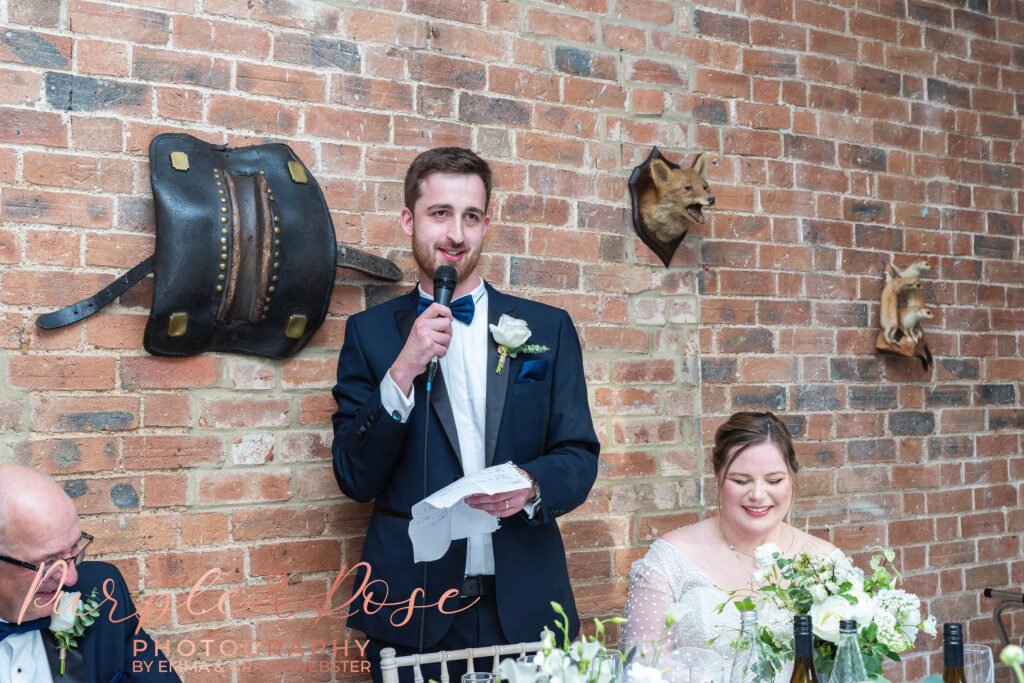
(429, 258)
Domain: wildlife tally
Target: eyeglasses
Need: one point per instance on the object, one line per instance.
(75, 559)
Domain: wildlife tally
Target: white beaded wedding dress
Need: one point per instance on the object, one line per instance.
(665, 576)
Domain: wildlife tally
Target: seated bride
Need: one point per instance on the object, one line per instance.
(697, 565)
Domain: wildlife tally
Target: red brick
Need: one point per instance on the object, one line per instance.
(65, 456)
(102, 57)
(243, 487)
(94, 496)
(291, 84)
(117, 22)
(237, 413)
(237, 112)
(346, 125)
(163, 490)
(250, 524)
(204, 35)
(172, 452)
(418, 132)
(183, 570)
(293, 557)
(61, 372)
(151, 372)
(562, 26)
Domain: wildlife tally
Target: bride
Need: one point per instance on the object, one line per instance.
(696, 565)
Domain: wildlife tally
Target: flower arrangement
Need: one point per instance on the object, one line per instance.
(829, 588)
(586, 660)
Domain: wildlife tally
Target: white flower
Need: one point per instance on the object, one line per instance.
(585, 651)
(928, 626)
(677, 611)
(864, 609)
(63, 616)
(638, 673)
(764, 556)
(818, 593)
(779, 622)
(826, 615)
(510, 332)
(514, 672)
(1010, 655)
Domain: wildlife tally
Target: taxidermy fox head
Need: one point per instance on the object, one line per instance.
(676, 198)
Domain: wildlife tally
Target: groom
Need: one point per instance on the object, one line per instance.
(393, 446)
(39, 524)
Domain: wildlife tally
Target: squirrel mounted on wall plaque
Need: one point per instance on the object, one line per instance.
(902, 310)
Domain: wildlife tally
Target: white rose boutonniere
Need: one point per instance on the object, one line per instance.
(511, 335)
(67, 624)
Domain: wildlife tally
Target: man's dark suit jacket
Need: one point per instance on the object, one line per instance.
(107, 650)
(538, 417)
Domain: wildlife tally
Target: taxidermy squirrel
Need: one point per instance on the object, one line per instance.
(890, 316)
(910, 321)
(675, 198)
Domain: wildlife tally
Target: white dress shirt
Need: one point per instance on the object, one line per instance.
(23, 659)
(465, 376)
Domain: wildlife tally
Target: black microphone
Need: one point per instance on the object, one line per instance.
(445, 279)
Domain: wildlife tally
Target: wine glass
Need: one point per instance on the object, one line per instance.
(978, 665)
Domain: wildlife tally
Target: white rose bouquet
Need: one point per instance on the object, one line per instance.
(830, 589)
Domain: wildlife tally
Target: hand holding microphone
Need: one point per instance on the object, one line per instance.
(430, 336)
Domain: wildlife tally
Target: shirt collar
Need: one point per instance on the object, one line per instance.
(477, 293)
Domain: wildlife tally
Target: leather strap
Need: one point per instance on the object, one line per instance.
(476, 586)
(368, 264)
(86, 307)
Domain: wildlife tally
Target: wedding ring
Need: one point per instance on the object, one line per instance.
(507, 504)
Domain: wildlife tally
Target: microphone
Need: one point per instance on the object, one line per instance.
(445, 279)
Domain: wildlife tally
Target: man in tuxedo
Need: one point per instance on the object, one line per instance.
(39, 527)
(395, 446)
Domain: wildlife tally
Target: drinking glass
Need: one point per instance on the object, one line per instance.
(978, 665)
(608, 661)
(479, 677)
(694, 665)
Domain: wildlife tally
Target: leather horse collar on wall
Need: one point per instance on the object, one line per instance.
(245, 252)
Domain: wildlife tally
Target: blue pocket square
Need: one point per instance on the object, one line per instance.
(533, 371)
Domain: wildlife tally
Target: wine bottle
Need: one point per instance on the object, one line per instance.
(953, 654)
(803, 648)
(849, 665)
(751, 664)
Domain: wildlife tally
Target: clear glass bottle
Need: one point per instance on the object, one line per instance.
(849, 664)
(953, 654)
(751, 664)
(803, 648)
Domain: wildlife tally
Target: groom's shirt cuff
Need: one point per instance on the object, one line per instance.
(398, 405)
(531, 508)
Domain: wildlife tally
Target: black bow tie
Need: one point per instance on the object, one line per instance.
(8, 629)
(462, 308)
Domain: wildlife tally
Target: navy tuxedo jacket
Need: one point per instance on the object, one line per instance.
(107, 651)
(537, 417)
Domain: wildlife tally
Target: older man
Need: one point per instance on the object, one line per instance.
(38, 528)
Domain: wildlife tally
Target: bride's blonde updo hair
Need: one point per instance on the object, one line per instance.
(746, 429)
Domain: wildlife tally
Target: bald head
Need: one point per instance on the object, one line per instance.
(27, 498)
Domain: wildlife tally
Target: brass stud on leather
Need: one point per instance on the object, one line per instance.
(277, 219)
(223, 240)
(223, 257)
(296, 327)
(221, 277)
(297, 172)
(224, 219)
(274, 279)
(224, 247)
(177, 325)
(179, 161)
(223, 209)
(223, 200)
(277, 230)
(262, 318)
(223, 266)
(266, 309)
(276, 265)
(223, 231)
(277, 243)
(220, 288)
(271, 289)
(277, 254)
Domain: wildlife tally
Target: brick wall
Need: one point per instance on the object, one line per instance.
(840, 132)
